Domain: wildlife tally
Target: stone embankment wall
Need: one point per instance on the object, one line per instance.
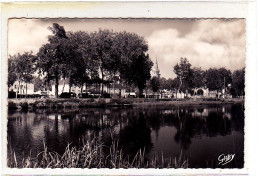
(17, 104)
(31, 104)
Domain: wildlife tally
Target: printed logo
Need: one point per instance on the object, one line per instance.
(224, 159)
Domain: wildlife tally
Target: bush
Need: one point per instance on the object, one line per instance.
(11, 94)
(83, 95)
(24, 105)
(67, 95)
(106, 95)
(12, 105)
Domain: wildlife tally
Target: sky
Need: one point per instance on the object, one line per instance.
(206, 43)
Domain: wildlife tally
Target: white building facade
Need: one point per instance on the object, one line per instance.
(22, 88)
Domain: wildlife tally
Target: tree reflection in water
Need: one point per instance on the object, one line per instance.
(190, 125)
(136, 136)
(132, 127)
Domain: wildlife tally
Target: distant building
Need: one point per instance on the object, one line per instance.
(115, 89)
(64, 87)
(21, 88)
(179, 95)
(213, 94)
(206, 93)
(107, 88)
(201, 92)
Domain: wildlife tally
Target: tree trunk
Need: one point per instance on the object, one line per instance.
(86, 87)
(114, 75)
(120, 89)
(81, 88)
(179, 88)
(56, 86)
(114, 87)
(18, 89)
(26, 90)
(70, 85)
(56, 124)
(70, 88)
(102, 84)
(63, 85)
(140, 93)
(128, 90)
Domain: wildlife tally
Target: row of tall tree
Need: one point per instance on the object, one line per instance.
(101, 56)
(188, 78)
(83, 58)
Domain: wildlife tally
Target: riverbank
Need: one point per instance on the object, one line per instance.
(188, 102)
(49, 103)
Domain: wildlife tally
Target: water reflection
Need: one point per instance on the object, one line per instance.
(136, 135)
(202, 133)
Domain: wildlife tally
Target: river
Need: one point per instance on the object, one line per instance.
(200, 133)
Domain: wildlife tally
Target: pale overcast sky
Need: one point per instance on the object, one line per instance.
(204, 42)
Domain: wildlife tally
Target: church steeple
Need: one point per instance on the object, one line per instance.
(157, 71)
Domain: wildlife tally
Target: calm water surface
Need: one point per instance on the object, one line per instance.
(201, 133)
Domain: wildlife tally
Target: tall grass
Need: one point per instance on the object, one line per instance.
(91, 155)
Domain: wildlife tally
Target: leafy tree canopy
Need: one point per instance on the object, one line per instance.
(238, 82)
(155, 83)
(22, 66)
(11, 72)
(184, 73)
(52, 57)
(216, 79)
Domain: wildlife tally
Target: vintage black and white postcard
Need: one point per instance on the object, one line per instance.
(158, 90)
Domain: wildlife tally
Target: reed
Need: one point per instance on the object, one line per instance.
(91, 155)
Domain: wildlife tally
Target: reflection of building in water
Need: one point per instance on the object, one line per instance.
(228, 115)
(223, 109)
(165, 112)
(124, 114)
(225, 113)
(104, 117)
(203, 112)
(117, 129)
(54, 117)
(107, 111)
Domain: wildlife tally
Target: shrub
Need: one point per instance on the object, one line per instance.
(12, 105)
(24, 105)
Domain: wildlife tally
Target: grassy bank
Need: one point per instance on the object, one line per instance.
(32, 104)
(91, 155)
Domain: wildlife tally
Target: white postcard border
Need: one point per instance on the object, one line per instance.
(192, 9)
